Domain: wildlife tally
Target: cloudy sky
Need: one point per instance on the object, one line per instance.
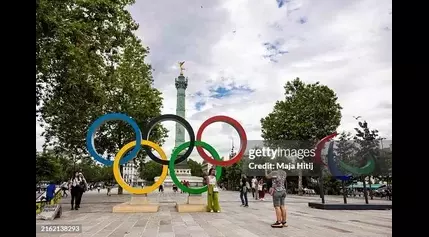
(240, 53)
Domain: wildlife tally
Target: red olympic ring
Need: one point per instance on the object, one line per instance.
(241, 133)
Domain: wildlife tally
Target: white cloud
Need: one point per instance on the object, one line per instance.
(343, 44)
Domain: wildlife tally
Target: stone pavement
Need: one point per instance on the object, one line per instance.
(97, 219)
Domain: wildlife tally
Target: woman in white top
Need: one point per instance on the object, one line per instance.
(77, 184)
(212, 192)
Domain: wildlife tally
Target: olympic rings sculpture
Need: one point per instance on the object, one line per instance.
(130, 150)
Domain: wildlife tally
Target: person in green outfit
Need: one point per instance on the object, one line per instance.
(212, 192)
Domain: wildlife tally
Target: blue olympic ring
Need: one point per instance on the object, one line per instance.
(333, 167)
(109, 117)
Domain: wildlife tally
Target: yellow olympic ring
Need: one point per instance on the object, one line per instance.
(117, 172)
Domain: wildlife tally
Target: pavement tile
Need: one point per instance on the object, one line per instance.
(97, 218)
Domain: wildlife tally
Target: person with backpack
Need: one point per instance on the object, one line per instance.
(278, 191)
(77, 186)
(83, 184)
(244, 188)
(50, 192)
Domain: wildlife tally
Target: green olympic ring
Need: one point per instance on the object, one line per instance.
(174, 156)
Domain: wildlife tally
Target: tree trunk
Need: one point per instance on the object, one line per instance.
(371, 195)
(322, 192)
(365, 193)
(344, 191)
(300, 183)
(120, 190)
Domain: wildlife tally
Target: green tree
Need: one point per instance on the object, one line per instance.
(308, 113)
(47, 167)
(76, 41)
(332, 185)
(368, 147)
(346, 151)
(196, 168)
(67, 167)
(384, 166)
(131, 92)
(106, 174)
(89, 169)
(149, 170)
(232, 175)
(96, 66)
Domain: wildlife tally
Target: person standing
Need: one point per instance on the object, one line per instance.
(75, 191)
(109, 189)
(244, 188)
(212, 192)
(261, 191)
(83, 185)
(64, 188)
(254, 188)
(50, 192)
(279, 194)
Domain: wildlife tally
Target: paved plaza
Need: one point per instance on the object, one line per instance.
(97, 219)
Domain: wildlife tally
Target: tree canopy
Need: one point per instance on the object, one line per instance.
(308, 113)
(52, 166)
(89, 62)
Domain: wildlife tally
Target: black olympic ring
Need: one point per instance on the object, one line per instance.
(169, 117)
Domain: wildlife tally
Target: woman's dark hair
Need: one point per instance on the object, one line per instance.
(210, 171)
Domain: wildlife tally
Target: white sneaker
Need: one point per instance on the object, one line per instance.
(218, 211)
(211, 210)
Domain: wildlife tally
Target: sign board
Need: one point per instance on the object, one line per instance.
(50, 212)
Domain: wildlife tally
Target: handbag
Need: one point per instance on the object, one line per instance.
(215, 189)
(83, 186)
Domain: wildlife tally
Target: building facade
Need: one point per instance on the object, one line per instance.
(205, 166)
(130, 173)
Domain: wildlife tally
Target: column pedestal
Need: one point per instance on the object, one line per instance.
(194, 203)
(138, 203)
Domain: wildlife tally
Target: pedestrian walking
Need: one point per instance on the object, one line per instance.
(109, 188)
(83, 185)
(244, 188)
(76, 190)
